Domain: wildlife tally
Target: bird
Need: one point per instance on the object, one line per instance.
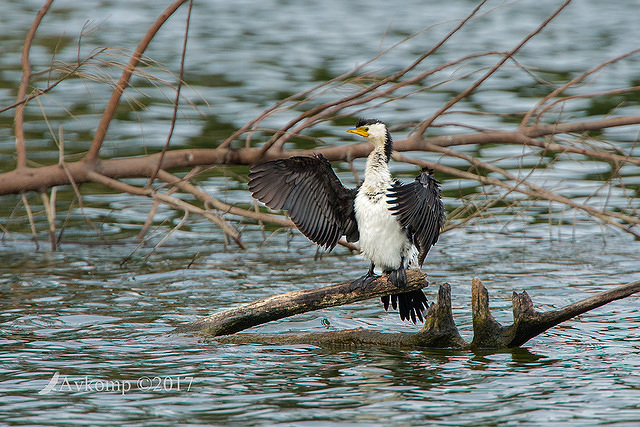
(396, 224)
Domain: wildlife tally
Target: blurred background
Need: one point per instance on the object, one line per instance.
(103, 305)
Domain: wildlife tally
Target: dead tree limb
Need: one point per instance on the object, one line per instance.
(527, 323)
(109, 112)
(539, 129)
(439, 330)
(285, 305)
(21, 149)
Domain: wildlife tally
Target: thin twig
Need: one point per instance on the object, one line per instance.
(171, 201)
(122, 84)
(49, 207)
(21, 148)
(176, 102)
(426, 123)
(167, 235)
(568, 84)
(32, 223)
(156, 204)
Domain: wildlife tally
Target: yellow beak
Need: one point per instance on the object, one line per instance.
(359, 131)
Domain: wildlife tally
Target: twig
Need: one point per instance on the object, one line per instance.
(176, 102)
(156, 203)
(171, 201)
(52, 86)
(533, 191)
(331, 108)
(21, 149)
(167, 235)
(32, 223)
(568, 84)
(187, 187)
(50, 209)
(122, 84)
(426, 123)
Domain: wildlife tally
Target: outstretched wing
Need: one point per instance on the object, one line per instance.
(419, 209)
(318, 204)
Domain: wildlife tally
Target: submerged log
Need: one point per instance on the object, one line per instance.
(527, 322)
(439, 330)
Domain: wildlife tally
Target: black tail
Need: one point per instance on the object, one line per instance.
(411, 305)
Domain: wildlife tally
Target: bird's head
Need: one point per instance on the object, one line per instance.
(375, 132)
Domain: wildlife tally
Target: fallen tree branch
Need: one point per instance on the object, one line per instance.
(527, 322)
(21, 149)
(23, 179)
(439, 330)
(364, 90)
(285, 305)
(114, 101)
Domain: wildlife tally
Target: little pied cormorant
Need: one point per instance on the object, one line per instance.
(395, 223)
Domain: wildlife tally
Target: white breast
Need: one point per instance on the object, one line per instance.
(381, 238)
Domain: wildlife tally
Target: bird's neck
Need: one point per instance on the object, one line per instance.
(377, 176)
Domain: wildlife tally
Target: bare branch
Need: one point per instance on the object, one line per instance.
(21, 148)
(425, 124)
(32, 223)
(331, 108)
(187, 187)
(110, 110)
(568, 84)
(285, 305)
(171, 201)
(176, 102)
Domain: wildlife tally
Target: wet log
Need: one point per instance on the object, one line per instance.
(527, 322)
(285, 305)
(439, 330)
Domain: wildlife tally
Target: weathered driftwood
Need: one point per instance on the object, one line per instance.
(527, 323)
(285, 305)
(439, 329)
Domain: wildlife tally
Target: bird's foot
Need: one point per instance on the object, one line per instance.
(362, 282)
(399, 277)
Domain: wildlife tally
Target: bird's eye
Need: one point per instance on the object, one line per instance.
(366, 129)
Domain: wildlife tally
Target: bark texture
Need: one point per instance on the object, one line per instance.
(439, 330)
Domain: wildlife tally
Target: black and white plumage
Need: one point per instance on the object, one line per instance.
(395, 223)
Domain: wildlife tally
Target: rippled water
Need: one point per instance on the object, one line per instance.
(99, 313)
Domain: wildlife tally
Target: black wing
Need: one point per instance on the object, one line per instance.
(418, 206)
(318, 204)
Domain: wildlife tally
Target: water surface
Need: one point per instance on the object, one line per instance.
(99, 311)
